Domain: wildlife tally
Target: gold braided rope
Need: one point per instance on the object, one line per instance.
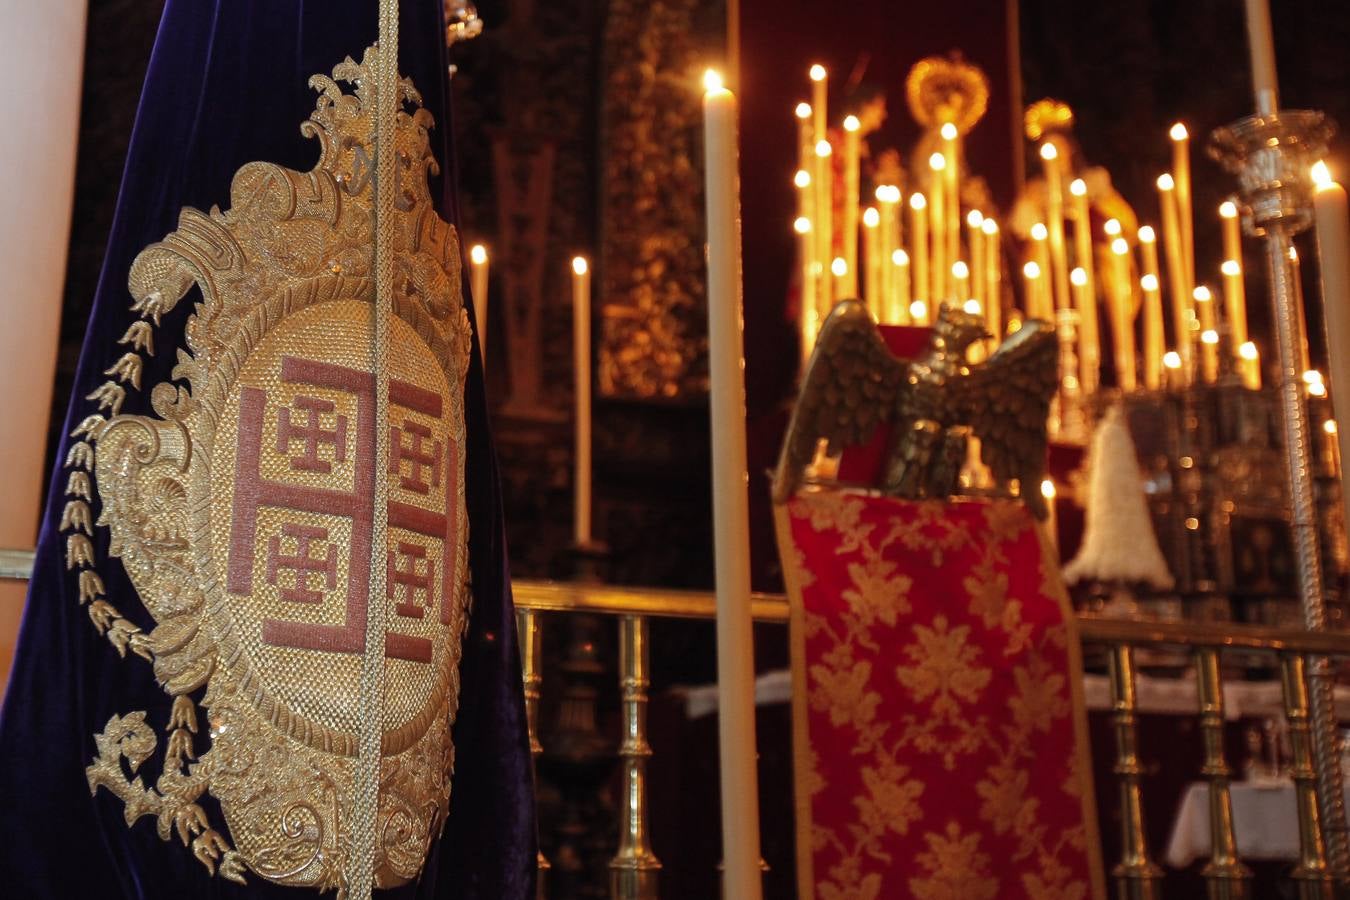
(366, 787)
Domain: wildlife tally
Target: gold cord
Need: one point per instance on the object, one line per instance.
(366, 787)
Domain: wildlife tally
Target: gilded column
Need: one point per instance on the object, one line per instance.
(1226, 878)
(1136, 875)
(635, 869)
(1312, 874)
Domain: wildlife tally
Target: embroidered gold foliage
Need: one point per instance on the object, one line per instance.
(284, 280)
(945, 663)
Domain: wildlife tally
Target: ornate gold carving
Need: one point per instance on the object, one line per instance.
(941, 90)
(936, 402)
(242, 509)
(653, 341)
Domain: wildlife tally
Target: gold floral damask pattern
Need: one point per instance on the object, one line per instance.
(941, 746)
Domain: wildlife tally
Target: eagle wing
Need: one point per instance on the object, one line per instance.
(1006, 400)
(850, 387)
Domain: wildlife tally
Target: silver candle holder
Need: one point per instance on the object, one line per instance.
(1271, 156)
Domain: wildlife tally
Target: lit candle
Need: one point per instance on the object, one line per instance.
(975, 244)
(938, 224)
(1040, 254)
(918, 312)
(1235, 292)
(961, 281)
(819, 103)
(581, 367)
(993, 287)
(871, 221)
(839, 271)
(809, 315)
(852, 152)
(806, 139)
(952, 183)
(1154, 340)
(1261, 42)
(823, 223)
(731, 516)
(1059, 262)
(1209, 333)
(478, 284)
(1333, 248)
(1051, 520)
(1181, 173)
(1182, 313)
(1172, 370)
(1089, 354)
(888, 200)
(1250, 365)
(1122, 317)
(1032, 275)
(898, 312)
(918, 232)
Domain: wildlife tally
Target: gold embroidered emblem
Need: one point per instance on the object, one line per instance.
(243, 510)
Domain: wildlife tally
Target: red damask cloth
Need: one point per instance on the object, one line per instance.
(941, 746)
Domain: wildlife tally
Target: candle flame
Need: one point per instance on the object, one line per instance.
(823, 149)
(1048, 489)
(1172, 359)
(1248, 351)
(1228, 209)
(1149, 282)
(1039, 232)
(900, 258)
(803, 110)
(1312, 376)
(1321, 175)
(1078, 276)
(917, 201)
(712, 81)
(1031, 270)
(1078, 187)
(989, 226)
(1209, 336)
(948, 131)
(802, 225)
(1147, 235)
(1178, 132)
(1231, 267)
(1317, 390)
(851, 123)
(918, 309)
(477, 254)
(975, 218)
(1165, 182)
(960, 270)
(839, 268)
(888, 193)
(802, 179)
(1329, 426)
(871, 218)
(937, 162)
(1202, 294)
(972, 306)
(817, 72)
(1112, 227)
(1120, 247)
(1049, 151)
(579, 265)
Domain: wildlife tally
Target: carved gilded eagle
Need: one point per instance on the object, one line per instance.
(935, 403)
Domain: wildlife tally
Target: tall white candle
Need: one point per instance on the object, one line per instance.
(951, 180)
(1183, 312)
(808, 317)
(731, 516)
(918, 234)
(581, 366)
(1235, 291)
(1261, 42)
(872, 277)
(1181, 167)
(849, 227)
(898, 312)
(993, 281)
(1333, 248)
(937, 218)
(1059, 262)
(824, 221)
(478, 284)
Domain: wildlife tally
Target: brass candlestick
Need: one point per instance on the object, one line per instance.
(1271, 157)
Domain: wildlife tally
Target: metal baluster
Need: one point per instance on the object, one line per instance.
(532, 673)
(635, 869)
(1312, 874)
(1225, 876)
(1136, 875)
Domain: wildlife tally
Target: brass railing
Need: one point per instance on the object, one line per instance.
(635, 867)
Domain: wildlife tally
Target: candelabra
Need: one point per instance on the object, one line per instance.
(1271, 156)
